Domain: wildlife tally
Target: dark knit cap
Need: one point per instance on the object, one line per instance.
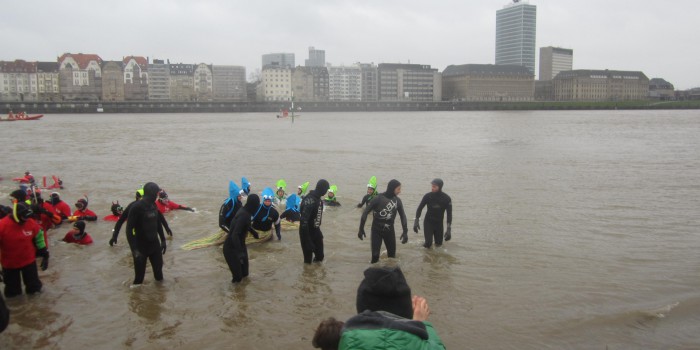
(385, 289)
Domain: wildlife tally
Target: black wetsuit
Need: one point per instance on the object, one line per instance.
(265, 218)
(235, 249)
(122, 220)
(227, 211)
(291, 215)
(4, 315)
(437, 204)
(384, 208)
(331, 202)
(310, 235)
(144, 224)
(367, 198)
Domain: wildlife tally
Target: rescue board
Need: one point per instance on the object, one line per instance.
(212, 240)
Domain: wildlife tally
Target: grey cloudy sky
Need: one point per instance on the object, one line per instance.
(656, 37)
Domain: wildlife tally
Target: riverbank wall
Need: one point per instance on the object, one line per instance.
(329, 106)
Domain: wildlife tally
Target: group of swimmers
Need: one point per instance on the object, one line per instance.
(29, 212)
(23, 228)
(237, 220)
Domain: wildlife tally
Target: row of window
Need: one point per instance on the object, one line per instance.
(41, 89)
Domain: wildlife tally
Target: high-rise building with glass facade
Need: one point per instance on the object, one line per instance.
(317, 58)
(516, 28)
(278, 59)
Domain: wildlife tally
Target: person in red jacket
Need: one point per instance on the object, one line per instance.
(78, 234)
(117, 211)
(28, 178)
(59, 207)
(44, 216)
(83, 213)
(165, 205)
(21, 241)
(49, 210)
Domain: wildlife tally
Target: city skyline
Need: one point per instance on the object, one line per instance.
(650, 36)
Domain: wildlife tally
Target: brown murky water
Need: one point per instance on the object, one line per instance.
(572, 230)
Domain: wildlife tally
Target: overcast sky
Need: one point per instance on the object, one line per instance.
(656, 37)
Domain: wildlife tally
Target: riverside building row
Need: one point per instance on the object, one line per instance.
(86, 77)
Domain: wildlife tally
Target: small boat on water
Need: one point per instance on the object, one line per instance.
(20, 116)
(284, 113)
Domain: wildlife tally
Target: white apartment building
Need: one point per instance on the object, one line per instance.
(276, 84)
(18, 81)
(345, 83)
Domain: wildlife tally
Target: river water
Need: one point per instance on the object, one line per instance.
(571, 230)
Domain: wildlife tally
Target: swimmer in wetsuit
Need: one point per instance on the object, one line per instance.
(310, 235)
(266, 215)
(331, 200)
(144, 224)
(292, 213)
(125, 215)
(230, 206)
(438, 203)
(235, 249)
(384, 208)
(371, 192)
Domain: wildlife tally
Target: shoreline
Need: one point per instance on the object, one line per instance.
(333, 106)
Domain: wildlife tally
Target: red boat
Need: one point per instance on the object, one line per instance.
(15, 117)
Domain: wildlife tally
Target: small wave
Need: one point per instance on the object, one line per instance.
(641, 319)
(660, 312)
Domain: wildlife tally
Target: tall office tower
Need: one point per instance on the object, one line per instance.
(516, 27)
(317, 58)
(554, 60)
(278, 59)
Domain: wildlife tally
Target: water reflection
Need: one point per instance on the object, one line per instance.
(235, 311)
(147, 301)
(38, 322)
(311, 289)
